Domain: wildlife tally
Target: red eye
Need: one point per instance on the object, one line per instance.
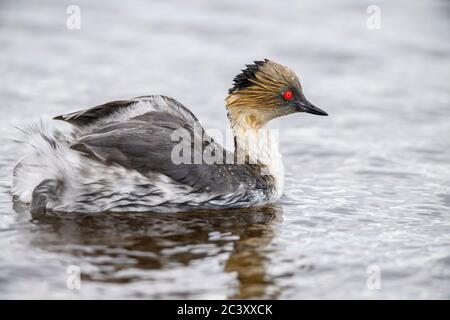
(288, 95)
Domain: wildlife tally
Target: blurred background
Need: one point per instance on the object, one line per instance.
(367, 195)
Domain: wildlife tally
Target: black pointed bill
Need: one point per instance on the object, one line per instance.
(308, 107)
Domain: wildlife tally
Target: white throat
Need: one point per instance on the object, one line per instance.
(260, 145)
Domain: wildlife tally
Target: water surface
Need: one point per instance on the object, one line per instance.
(368, 187)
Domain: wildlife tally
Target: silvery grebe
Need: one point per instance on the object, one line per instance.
(119, 156)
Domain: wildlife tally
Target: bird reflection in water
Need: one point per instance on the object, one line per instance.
(122, 248)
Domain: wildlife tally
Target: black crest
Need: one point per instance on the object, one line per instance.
(243, 79)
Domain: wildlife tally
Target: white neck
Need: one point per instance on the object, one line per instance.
(259, 144)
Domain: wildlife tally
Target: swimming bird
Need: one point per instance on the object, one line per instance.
(122, 156)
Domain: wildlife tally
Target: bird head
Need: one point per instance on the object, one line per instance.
(266, 90)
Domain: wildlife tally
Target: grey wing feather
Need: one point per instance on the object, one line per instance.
(87, 116)
(144, 144)
(103, 112)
